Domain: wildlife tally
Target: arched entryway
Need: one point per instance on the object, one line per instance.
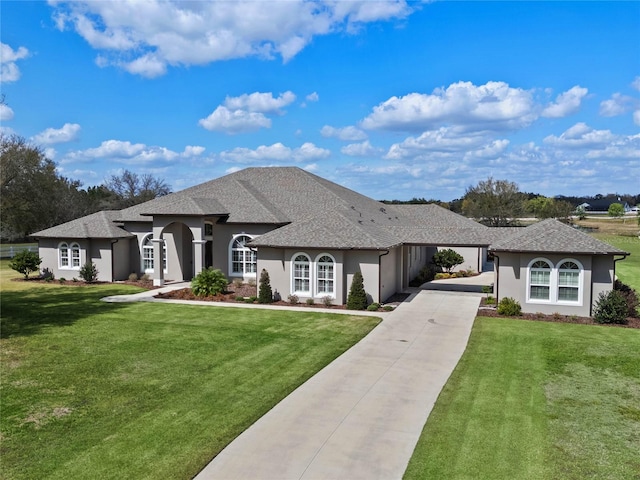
(180, 256)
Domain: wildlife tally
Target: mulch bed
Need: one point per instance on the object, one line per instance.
(490, 311)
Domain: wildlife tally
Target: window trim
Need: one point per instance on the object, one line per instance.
(145, 247)
(554, 283)
(253, 253)
(530, 284)
(333, 280)
(294, 291)
(71, 248)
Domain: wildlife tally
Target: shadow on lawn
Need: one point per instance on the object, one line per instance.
(27, 312)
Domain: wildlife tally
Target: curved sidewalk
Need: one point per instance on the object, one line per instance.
(361, 416)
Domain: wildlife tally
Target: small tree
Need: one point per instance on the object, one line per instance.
(357, 298)
(616, 210)
(210, 281)
(265, 294)
(25, 262)
(89, 272)
(447, 259)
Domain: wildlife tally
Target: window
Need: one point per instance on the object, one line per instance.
(561, 283)
(325, 268)
(540, 280)
(244, 261)
(301, 274)
(147, 254)
(69, 256)
(569, 282)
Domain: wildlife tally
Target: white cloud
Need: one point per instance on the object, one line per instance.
(350, 134)
(581, 136)
(275, 153)
(50, 136)
(618, 104)
(636, 117)
(9, 71)
(130, 153)
(445, 140)
(146, 37)
(494, 106)
(260, 102)
(636, 83)
(566, 103)
(364, 149)
(312, 97)
(50, 153)
(6, 113)
(234, 121)
(193, 151)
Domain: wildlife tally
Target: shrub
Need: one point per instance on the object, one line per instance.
(327, 300)
(251, 282)
(133, 277)
(309, 301)
(239, 298)
(630, 296)
(447, 259)
(487, 289)
(25, 262)
(510, 307)
(490, 300)
(62, 280)
(210, 281)
(237, 282)
(145, 278)
(611, 307)
(293, 299)
(373, 307)
(357, 298)
(248, 300)
(89, 272)
(427, 273)
(387, 308)
(265, 294)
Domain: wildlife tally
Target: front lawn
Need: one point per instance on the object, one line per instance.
(97, 390)
(537, 400)
(628, 270)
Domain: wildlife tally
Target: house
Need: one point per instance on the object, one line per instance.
(603, 204)
(312, 236)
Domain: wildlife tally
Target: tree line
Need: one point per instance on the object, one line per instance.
(35, 196)
(500, 203)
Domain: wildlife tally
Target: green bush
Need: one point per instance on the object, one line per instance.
(327, 300)
(630, 296)
(427, 273)
(387, 308)
(265, 294)
(25, 262)
(447, 259)
(293, 299)
(133, 277)
(357, 298)
(373, 307)
(611, 307)
(509, 307)
(89, 272)
(208, 282)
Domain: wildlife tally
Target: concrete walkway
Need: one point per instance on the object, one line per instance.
(361, 416)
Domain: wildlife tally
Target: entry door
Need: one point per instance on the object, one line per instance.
(208, 254)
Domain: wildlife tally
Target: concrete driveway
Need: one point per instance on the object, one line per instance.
(362, 415)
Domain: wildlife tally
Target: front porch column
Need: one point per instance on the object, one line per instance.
(158, 262)
(198, 256)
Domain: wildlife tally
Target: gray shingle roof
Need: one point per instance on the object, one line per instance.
(552, 236)
(97, 225)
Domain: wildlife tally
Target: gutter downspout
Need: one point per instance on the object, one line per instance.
(615, 260)
(380, 274)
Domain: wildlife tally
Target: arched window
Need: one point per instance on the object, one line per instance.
(325, 275)
(147, 254)
(63, 251)
(539, 280)
(569, 281)
(244, 261)
(69, 255)
(301, 272)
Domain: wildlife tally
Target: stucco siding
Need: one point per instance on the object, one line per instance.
(596, 276)
(367, 263)
(389, 279)
(473, 258)
(121, 254)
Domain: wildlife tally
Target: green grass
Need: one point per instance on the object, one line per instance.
(628, 270)
(97, 390)
(536, 400)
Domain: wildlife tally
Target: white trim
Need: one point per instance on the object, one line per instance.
(244, 262)
(333, 280)
(306, 293)
(71, 248)
(554, 283)
(151, 247)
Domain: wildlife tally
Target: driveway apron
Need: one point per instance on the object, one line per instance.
(361, 416)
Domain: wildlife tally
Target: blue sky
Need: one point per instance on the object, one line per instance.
(393, 99)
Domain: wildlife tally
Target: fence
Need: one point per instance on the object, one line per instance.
(9, 251)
